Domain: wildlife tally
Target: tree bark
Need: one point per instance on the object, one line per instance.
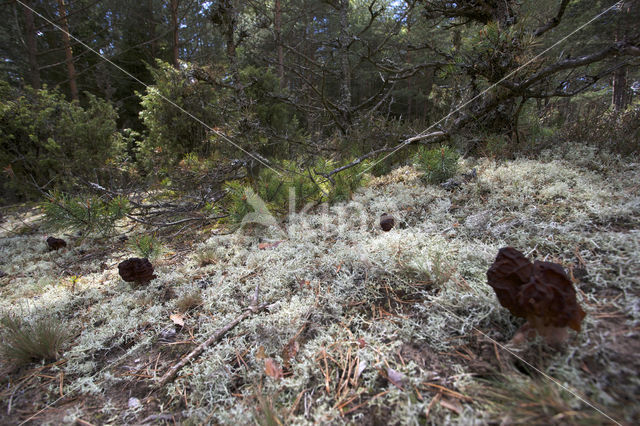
(345, 68)
(174, 26)
(152, 29)
(278, 29)
(620, 97)
(620, 89)
(225, 15)
(71, 70)
(32, 47)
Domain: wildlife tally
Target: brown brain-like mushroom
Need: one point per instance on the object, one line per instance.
(540, 292)
(55, 243)
(136, 270)
(386, 222)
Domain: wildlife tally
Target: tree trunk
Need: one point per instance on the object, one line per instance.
(174, 26)
(620, 98)
(278, 30)
(620, 89)
(345, 68)
(225, 16)
(71, 70)
(32, 47)
(152, 30)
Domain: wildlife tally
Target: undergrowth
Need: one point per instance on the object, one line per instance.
(25, 341)
(355, 309)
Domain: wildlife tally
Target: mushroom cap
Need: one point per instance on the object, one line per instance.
(386, 222)
(541, 292)
(56, 243)
(136, 270)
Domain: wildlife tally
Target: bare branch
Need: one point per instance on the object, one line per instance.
(171, 373)
(619, 48)
(435, 135)
(554, 22)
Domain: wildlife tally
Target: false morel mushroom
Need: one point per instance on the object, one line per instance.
(386, 222)
(136, 270)
(540, 292)
(55, 243)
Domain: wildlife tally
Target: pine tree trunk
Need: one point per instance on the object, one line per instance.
(152, 29)
(620, 90)
(620, 98)
(71, 70)
(32, 47)
(278, 29)
(174, 25)
(345, 69)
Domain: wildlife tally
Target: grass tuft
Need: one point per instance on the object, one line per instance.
(189, 301)
(27, 341)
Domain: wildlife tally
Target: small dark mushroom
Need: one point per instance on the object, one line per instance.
(56, 243)
(540, 292)
(386, 222)
(136, 270)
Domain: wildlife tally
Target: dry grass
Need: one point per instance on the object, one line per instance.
(24, 341)
(189, 301)
(520, 399)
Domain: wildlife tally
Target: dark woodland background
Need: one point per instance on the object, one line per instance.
(318, 90)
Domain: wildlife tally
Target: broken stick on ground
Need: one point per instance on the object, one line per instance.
(252, 309)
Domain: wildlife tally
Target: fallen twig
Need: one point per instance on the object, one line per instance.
(252, 309)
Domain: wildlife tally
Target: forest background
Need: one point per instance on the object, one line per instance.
(311, 90)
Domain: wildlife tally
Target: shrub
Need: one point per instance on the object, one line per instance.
(308, 185)
(24, 341)
(438, 164)
(146, 246)
(237, 204)
(600, 125)
(46, 139)
(496, 146)
(172, 135)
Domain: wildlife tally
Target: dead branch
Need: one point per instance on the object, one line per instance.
(435, 135)
(553, 22)
(618, 48)
(251, 309)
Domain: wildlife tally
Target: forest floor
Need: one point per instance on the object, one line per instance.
(363, 326)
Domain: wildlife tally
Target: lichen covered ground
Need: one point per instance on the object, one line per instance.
(364, 326)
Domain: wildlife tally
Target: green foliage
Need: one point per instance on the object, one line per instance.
(438, 164)
(237, 205)
(27, 341)
(146, 246)
(172, 134)
(261, 84)
(300, 186)
(496, 146)
(87, 214)
(342, 185)
(250, 120)
(46, 139)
